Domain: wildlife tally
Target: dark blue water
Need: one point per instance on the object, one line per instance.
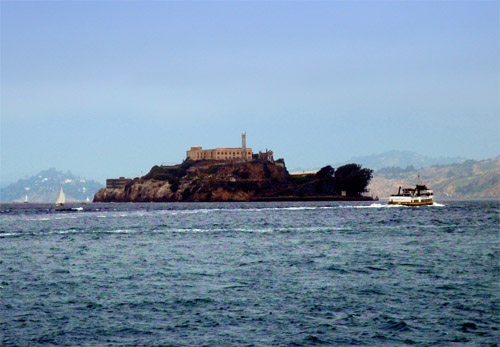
(250, 274)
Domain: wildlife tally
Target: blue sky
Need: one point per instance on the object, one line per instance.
(110, 88)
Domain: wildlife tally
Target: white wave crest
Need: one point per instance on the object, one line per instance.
(374, 205)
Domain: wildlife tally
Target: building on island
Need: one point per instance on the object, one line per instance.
(267, 155)
(117, 183)
(197, 153)
(242, 153)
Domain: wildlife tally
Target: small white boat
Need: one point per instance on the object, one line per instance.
(420, 195)
(26, 199)
(61, 199)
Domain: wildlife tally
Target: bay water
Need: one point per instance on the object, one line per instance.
(250, 274)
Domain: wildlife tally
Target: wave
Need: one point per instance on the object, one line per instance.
(141, 213)
(183, 230)
(120, 231)
(253, 209)
(378, 205)
(253, 230)
(48, 218)
(374, 205)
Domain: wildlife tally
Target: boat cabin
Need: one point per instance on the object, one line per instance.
(419, 190)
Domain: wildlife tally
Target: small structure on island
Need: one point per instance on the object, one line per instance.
(243, 153)
(267, 155)
(117, 183)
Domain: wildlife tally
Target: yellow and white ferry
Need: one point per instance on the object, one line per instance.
(418, 196)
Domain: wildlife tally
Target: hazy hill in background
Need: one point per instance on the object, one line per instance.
(468, 180)
(401, 159)
(45, 187)
(394, 158)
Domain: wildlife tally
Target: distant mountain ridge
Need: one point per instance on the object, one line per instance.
(471, 179)
(400, 159)
(45, 186)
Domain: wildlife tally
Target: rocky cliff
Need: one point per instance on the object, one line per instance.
(221, 181)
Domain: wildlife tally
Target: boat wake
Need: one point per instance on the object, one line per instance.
(378, 205)
(374, 205)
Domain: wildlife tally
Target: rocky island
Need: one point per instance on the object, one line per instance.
(236, 174)
(257, 180)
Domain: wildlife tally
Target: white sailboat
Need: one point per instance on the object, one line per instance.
(61, 199)
(26, 199)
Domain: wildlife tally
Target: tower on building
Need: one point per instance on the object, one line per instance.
(244, 146)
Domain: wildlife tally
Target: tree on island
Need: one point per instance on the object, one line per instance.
(352, 179)
(325, 181)
(326, 173)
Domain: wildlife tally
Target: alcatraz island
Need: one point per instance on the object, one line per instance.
(237, 174)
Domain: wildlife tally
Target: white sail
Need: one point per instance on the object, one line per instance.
(61, 199)
(26, 199)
